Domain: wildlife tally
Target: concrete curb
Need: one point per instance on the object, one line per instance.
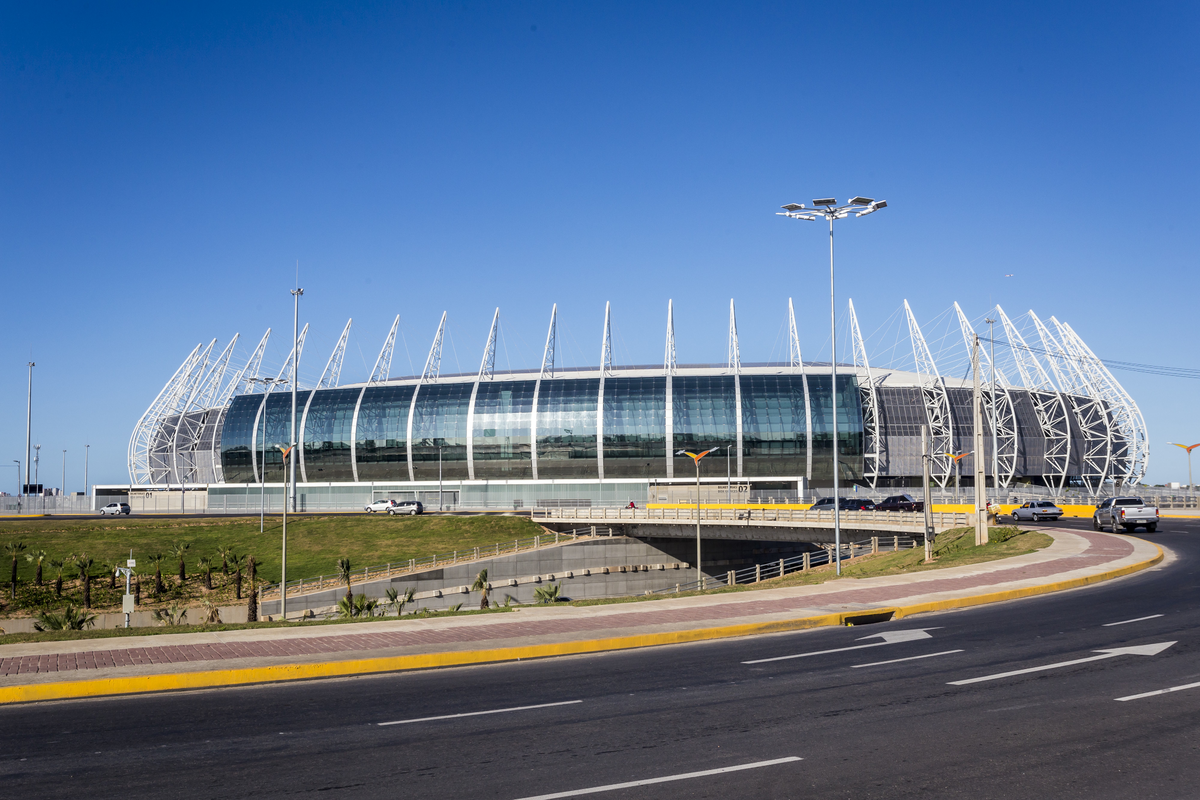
(101, 687)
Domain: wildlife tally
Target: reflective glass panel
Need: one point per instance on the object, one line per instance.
(774, 435)
(500, 439)
(279, 429)
(237, 433)
(567, 428)
(327, 435)
(850, 444)
(705, 417)
(635, 427)
(440, 420)
(382, 433)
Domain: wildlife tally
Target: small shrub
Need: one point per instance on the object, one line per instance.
(70, 619)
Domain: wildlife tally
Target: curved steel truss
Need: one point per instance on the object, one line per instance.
(937, 405)
(874, 446)
(998, 408)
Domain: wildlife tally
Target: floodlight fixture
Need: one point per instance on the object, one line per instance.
(828, 201)
(792, 207)
(862, 201)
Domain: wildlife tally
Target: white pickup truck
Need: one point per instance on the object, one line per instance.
(1125, 514)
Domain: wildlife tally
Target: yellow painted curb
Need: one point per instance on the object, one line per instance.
(100, 687)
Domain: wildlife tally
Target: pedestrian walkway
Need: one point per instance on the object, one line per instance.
(48, 670)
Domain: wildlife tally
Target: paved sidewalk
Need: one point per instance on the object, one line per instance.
(109, 666)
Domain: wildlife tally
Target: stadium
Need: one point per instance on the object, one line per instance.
(1056, 420)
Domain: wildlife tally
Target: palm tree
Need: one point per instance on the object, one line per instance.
(252, 606)
(399, 601)
(171, 616)
(343, 565)
(36, 557)
(14, 549)
(85, 564)
(482, 586)
(113, 572)
(58, 565)
(205, 566)
(225, 551)
(356, 606)
(548, 593)
(69, 620)
(157, 560)
(179, 549)
(212, 614)
(238, 563)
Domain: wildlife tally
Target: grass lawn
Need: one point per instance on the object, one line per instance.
(315, 543)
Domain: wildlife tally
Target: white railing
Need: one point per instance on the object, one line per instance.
(778, 516)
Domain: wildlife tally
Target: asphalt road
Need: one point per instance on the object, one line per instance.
(855, 727)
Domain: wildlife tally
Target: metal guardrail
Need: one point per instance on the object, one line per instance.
(396, 568)
(800, 563)
(901, 519)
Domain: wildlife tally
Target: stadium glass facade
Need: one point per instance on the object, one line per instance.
(572, 428)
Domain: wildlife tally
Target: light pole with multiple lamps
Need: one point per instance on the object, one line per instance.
(28, 424)
(696, 458)
(1189, 448)
(829, 209)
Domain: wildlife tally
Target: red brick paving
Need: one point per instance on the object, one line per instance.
(1101, 549)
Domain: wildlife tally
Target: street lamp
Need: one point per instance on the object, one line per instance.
(995, 415)
(262, 512)
(37, 462)
(1189, 448)
(87, 451)
(830, 210)
(295, 367)
(696, 458)
(957, 463)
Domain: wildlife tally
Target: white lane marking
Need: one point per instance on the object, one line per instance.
(1127, 621)
(890, 637)
(681, 777)
(1158, 692)
(1139, 650)
(479, 713)
(910, 658)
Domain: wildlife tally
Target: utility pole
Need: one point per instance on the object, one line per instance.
(439, 477)
(995, 414)
(981, 531)
(925, 486)
(87, 451)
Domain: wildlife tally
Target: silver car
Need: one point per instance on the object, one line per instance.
(379, 505)
(1037, 511)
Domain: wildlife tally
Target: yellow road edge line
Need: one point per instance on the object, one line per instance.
(142, 684)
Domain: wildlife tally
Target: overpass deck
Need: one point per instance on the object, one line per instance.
(896, 522)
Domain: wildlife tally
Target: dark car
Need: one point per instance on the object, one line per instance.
(844, 504)
(900, 502)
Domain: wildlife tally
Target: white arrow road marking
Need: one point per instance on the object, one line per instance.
(479, 713)
(910, 658)
(1158, 691)
(1127, 621)
(889, 637)
(614, 786)
(1137, 650)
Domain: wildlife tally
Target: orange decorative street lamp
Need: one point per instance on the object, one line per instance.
(957, 463)
(696, 458)
(1189, 448)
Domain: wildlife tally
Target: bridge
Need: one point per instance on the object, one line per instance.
(749, 524)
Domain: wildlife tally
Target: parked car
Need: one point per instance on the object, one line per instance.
(844, 504)
(410, 507)
(115, 509)
(380, 505)
(1037, 511)
(1125, 514)
(900, 502)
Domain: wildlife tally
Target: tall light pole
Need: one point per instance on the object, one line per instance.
(1189, 448)
(28, 421)
(995, 446)
(287, 452)
(830, 210)
(439, 477)
(296, 293)
(262, 511)
(696, 458)
(63, 490)
(87, 451)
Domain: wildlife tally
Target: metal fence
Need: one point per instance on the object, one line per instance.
(892, 519)
(396, 568)
(800, 563)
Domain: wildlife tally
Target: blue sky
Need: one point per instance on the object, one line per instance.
(166, 166)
